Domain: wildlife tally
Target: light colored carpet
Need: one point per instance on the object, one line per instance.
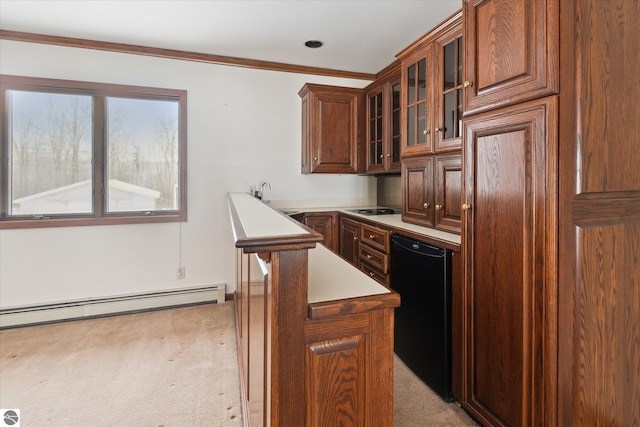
(175, 367)
(416, 405)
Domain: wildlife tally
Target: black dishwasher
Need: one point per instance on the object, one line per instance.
(421, 274)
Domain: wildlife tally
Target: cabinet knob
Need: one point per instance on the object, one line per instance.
(315, 158)
(382, 156)
(439, 207)
(355, 237)
(388, 155)
(467, 83)
(371, 273)
(466, 207)
(372, 237)
(369, 256)
(426, 131)
(426, 205)
(438, 129)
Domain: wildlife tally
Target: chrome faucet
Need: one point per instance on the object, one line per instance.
(260, 194)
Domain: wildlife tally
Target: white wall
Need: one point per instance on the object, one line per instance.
(243, 126)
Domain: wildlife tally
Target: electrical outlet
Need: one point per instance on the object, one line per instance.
(181, 272)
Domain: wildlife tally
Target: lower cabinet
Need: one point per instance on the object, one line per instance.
(373, 251)
(310, 364)
(366, 246)
(349, 240)
(324, 223)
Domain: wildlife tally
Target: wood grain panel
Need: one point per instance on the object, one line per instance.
(502, 54)
(510, 52)
(510, 264)
(499, 276)
(418, 189)
(335, 382)
(606, 355)
(449, 192)
(599, 276)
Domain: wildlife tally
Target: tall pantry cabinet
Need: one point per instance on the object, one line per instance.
(551, 163)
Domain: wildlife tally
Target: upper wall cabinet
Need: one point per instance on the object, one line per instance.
(431, 75)
(511, 52)
(382, 141)
(330, 128)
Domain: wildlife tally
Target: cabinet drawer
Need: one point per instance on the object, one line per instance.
(375, 274)
(374, 257)
(375, 237)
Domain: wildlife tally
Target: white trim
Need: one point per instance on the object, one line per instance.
(26, 315)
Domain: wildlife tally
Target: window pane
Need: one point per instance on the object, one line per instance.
(143, 155)
(50, 153)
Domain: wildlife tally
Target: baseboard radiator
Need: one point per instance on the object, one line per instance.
(95, 307)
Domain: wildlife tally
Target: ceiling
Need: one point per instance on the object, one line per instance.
(360, 36)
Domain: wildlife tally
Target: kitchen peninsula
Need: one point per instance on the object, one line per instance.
(315, 335)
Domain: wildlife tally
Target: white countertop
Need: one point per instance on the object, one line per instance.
(330, 277)
(390, 220)
(333, 278)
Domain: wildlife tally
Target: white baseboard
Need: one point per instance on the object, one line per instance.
(44, 313)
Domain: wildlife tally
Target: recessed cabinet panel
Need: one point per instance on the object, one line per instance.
(349, 240)
(511, 52)
(448, 204)
(418, 191)
(510, 262)
(336, 382)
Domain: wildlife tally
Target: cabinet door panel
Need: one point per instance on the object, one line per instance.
(448, 192)
(510, 260)
(336, 382)
(349, 240)
(417, 191)
(511, 52)
(330, 128)
(325, 225)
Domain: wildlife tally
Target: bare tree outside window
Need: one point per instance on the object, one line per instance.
(94, 152)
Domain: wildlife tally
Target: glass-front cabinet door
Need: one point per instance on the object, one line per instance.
(375, 135)
(416, 102)
(383, 125)
(394, 154)
(448, 123)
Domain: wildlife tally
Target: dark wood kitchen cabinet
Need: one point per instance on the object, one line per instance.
(349, 240)
(331, 128)
(431, 85)
(511, 52)
(432, 189)
(325, 223)
(510, 253)
(382, 140)
(374, 252)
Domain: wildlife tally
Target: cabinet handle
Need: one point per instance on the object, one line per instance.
(439, 207)
(372, 237)
(388, 155)
(426, 205)
(467, 83)
(426, 131)
(369, 256)
(466, 207)
(382, 156)
(315, 158)
(355, 237)
(438, 129)
(371, 273)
